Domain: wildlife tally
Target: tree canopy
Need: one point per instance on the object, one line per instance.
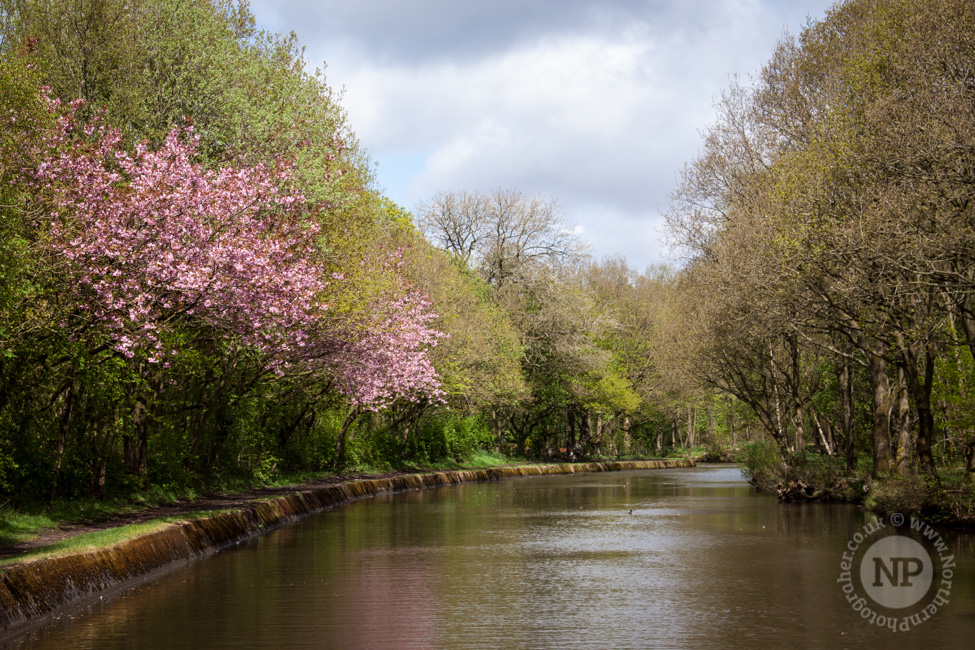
(202, 284)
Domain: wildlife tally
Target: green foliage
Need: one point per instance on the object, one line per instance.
(949, 499)
(804, 475)
(21, 272)
(484, 458)
(432, 439)
(480, 360)
(761, 463)
(954, 390)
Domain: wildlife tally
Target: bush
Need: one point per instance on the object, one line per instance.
(447, 436)
(950, 499)
(803, 476)
(762, 465)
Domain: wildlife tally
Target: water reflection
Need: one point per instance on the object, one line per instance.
(544, 562)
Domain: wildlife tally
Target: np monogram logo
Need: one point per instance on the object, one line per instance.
(897, 574)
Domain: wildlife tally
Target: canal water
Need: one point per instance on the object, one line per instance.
(703, 561)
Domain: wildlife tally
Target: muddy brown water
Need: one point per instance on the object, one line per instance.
(703, 561)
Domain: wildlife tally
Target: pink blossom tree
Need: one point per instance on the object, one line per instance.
(389, 362)
(151, 239)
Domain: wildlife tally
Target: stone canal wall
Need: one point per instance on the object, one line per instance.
(33, 591)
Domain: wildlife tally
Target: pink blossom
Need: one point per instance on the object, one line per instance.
(154, 238)
(152, 241)
(391, 362)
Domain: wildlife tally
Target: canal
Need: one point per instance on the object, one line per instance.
(689, 558)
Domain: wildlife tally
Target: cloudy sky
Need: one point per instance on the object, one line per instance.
(597, 104)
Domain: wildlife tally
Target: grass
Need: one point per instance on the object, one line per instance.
(17, 527)
(709, 454)
(479, 460)
(23, 525)
(483, 459)
(102, 539)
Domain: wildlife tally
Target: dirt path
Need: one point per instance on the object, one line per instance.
(207, 502)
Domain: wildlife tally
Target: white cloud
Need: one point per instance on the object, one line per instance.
(596, 104)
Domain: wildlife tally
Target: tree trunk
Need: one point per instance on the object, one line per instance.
(844, 381)
(881, 414)
(136, 443)
(498, 428)
(204, 417)
(62, 435)
(288, 430)
(779, 434)
(100, 445)
(800, 425)
(584, 442)
(903, 460)
(823, 439)
(597, 432)
(710, 424)
(570, 431)
(340, 440)
(800, 416)
(966, 309)
(224, 422)
(731, 422)
(626, 434)
(919, 382)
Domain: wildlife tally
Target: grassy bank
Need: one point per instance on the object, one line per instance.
(92, 541)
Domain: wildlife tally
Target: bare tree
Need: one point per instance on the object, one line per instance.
(455, 221)
(501, 233)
